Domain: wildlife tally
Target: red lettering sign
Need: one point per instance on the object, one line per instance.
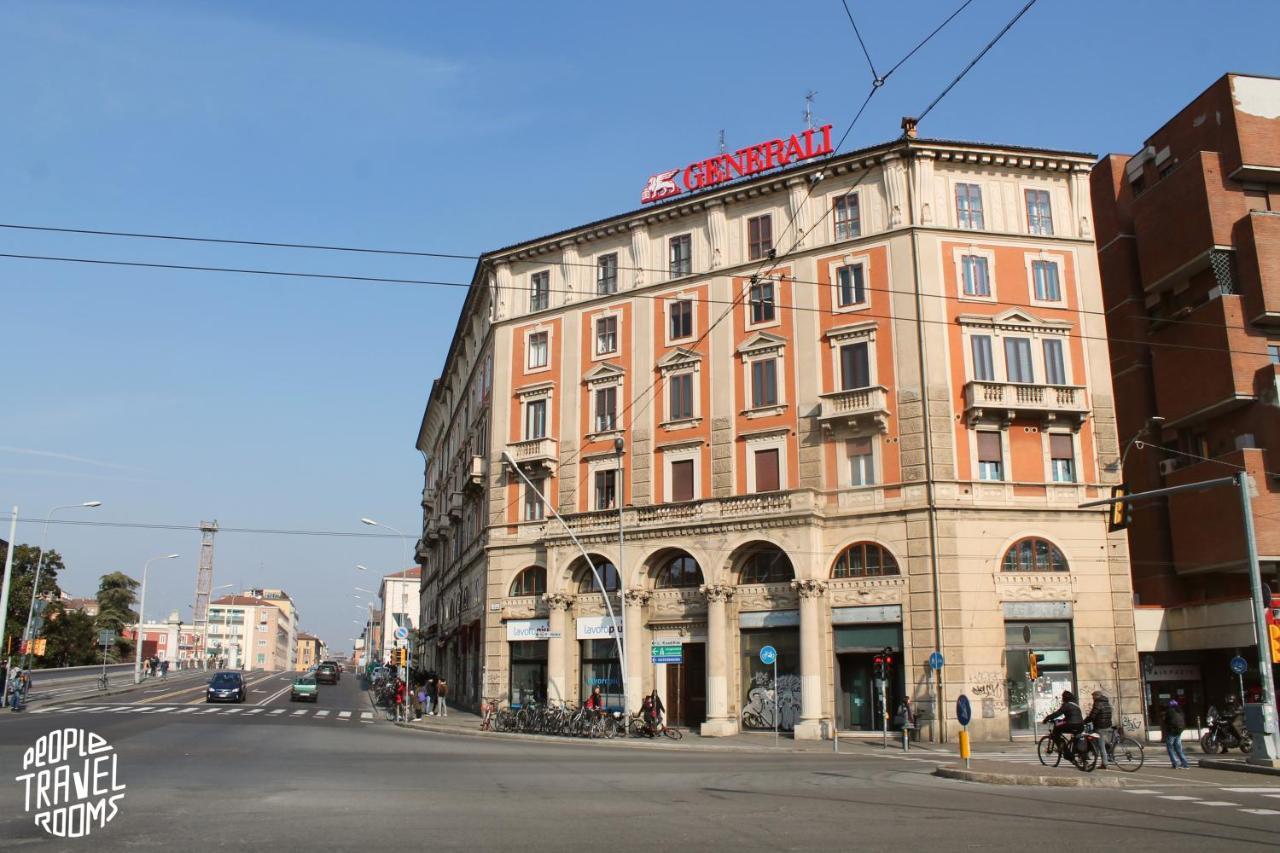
(740, 164)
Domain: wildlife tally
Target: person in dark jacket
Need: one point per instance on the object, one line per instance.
(1068, 719)
(1174, 723)
(1100, 712)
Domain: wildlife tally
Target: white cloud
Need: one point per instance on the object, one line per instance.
(50, 454)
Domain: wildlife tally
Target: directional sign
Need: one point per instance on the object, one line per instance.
(402, 633)
(768, 655)
(668, 653)
(963, 712)
(1239, 665)
(106, 638)
(936, 661)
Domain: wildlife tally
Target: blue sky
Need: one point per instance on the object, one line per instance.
(451, 127)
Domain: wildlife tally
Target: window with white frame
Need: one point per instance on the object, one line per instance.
(1062, 457)
(533, 491)
(980, 350)
(767, 464)
(535, 419)
(607, 274)
(759, 236)
(855, 366)
(1017, 360)
(764, 382)
(605, 482)
(848, 217)
(1044, 282)
(969, 206)
(861, 461)
(851, 286)
(680, 396)
(539, 291)
(762, 300)
(607, 334)
(1039, 213)
(990, 455)
(538, 350)
(680, 319)
(681, 475)
(1055, 368)
(975, 276)
(681, 255)
(606, 408)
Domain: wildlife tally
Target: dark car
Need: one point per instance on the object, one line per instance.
(327, 673)
(226, 687)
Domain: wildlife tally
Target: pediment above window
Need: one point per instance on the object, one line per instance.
(603, 374)
(761, 342)
(1014, 318)
(678, 359)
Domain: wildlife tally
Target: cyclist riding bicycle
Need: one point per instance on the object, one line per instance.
(1072, 720)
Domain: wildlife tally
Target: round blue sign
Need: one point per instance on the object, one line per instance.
(768, 655)
(936, 661)
(963, 712)
(1239, 665)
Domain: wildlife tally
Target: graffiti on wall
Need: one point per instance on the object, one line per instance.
(989, 687)
(758, 712)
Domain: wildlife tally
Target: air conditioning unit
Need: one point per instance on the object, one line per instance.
(476, 470)
(1168, 466)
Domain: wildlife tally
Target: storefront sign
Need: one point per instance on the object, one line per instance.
(1037, 610)
(1174, 672)
(864, 615)
(673, 653)
(598, 628)
(742, 163)
(769, 619)
(530, 629)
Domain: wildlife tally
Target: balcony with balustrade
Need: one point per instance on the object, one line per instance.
(856, 408)
(1008, 400)
(535, 453)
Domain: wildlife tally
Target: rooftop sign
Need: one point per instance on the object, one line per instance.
(742, 163)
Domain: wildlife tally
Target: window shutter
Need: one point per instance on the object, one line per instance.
(989, 447)
(767, 470)
(1061, 446)
(682, 480)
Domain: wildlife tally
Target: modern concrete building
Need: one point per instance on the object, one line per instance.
(1189, 251)
(846, 406)
(246, 632)
(398, 593)
(281, 599)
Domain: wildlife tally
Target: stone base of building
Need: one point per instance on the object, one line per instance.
(718, 728)
(809, 730)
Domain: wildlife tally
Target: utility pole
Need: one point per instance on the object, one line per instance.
(4, 598)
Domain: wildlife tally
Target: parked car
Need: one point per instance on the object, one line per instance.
(226, 687)
(327, 673)
(305, 687)
(337, 666)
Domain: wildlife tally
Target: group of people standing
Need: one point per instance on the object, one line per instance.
(18, 685)
(153, 665)
(429, 696)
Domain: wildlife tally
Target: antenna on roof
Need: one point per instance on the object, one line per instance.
(808, 109)
(722, 140)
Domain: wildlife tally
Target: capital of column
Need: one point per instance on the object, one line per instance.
(809, 588)
(639, 597)
(558, 600)
(717, 593)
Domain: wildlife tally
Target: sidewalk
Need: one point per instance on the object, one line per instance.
(995, 772)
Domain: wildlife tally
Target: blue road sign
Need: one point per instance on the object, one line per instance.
(1239, 665)
(768, 655)
(936, 661)
(963, 712)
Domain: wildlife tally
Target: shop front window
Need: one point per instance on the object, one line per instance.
(757, 703)
(1023, 699)
(600, 669)
(528, 672)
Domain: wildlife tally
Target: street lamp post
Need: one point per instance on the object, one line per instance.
(619, 491)
(405, 548)
(142, 606)
(35, 585)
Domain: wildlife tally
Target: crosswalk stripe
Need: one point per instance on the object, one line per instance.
(234, 710)
(129, 709)
(342, 715)
(211, 711)
(1140, 791)
(1179, 797)
(43, 710)
(158, 710)
(255, 710)
(1274, 789)
(1260, 811)
(1215, 803)
(190, 710)
(297, 713)
(277, 712)
(322, 713)
(366, 715)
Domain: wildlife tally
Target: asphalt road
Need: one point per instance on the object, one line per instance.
(254, 779)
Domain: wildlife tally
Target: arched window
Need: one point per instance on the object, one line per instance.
(678, 573)
(767, 565)
(587, 581)
(864, 560)
(531, 581)
(1034, 555)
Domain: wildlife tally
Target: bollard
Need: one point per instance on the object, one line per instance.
(964, 746)
(835, 742)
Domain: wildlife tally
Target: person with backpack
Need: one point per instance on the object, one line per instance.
(442, 691)
(1175, 722)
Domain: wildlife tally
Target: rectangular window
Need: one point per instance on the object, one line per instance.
(1039, 216)
(539, 291)
(1017, 357)
(763, 304)
(535, 419)
(606, 335)
(682, 480)
(969, 206)
(855, 366)
(1273, 350)
(607, 274)
(759, 236)
(681, 396)
(681, 255)
(764, 383)
(1044, 275)
(851, 287)
(606, 408)
(538, 349)
(1055, 372)
(533, 509)
(767, 470)
(680, 313)
(862, 470)
(983, 369)
(606, 489)
(974, 270)
(848, 217)
(1062, 456)
(990, 456)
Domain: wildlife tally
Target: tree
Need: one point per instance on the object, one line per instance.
(70, 639)
(115, 611)
(24, 571)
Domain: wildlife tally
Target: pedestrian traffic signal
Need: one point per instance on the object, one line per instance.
(1033, 665)
(1122, 512)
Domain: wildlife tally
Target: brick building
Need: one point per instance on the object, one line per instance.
(1189, 253)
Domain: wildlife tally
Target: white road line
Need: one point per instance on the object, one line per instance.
(255, 710)
(190, 710)
(298, 713)
(211, 711)
(158, 710)
(1274, 789)
(1179, 797)
(1139, 791)
(277, 712)
(129, 709)
(234, 710)
(342, 715)
(366, 715)
(1260, 811)
(1215, 803)
(322, 713)
(42, 710)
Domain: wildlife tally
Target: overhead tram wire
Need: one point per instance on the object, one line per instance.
(874, 76)
(221, 529)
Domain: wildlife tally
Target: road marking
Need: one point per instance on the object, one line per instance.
(1215, 803)
(1272, 790)
(1140, 791)
(277, 712)
(255, 710)
(129, 709)
(158, 710)
(1179, 797)
(342, 715)
(298, 713)
(188, 710)
(1260, 811)
(211, 711)
(322, 713)
(366, 715)
(234, 710)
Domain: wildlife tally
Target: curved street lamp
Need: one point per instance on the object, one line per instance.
(35, 586)
(142, 605)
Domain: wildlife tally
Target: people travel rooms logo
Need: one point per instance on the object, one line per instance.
(70, 782)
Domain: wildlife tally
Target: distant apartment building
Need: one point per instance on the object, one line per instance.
(281, 599)
(845, 408)
(246, 632)
(1189, 251)
(398, 594)
(87, 606)
(309, 652)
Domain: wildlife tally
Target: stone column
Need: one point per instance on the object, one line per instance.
(719, 721)
(558, 605)
(633, 637)
(811, 596)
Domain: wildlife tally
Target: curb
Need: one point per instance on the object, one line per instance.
(992, 778)
(615, 743)
(1237, 766)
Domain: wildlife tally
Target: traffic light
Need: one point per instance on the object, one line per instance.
(1121, 513)
(877, 667)
(1033, 665)
(1273, 630)
(39, 646)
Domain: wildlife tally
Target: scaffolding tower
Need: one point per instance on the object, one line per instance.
(204, 586)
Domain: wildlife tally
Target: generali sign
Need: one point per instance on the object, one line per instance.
(742, 163)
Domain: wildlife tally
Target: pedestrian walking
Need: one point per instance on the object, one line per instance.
(164, 670)
(658, 710)
(904, 721)
(432, 686)
(442, 691)
(15, 690)
(400, 697)
(424, 701)
(1174, 724)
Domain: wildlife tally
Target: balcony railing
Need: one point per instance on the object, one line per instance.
(1009, 399)
(534, 451)
(855, 407)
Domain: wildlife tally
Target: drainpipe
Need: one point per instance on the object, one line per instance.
(930, 491)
